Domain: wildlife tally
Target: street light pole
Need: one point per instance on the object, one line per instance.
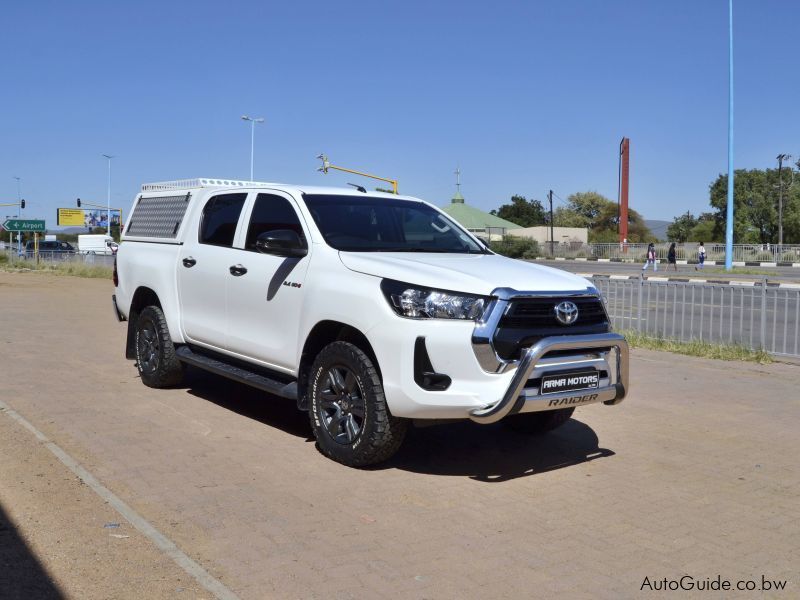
(108, 198)
(253, 121)
(729, 211)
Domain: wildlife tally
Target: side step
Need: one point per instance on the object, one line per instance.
(272, 386)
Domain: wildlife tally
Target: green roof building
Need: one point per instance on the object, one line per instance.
(474, 219)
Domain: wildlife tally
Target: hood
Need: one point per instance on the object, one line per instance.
(470, 273)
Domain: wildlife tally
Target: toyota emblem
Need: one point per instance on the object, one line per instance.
(566, 312)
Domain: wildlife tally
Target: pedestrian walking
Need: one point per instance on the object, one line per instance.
(701, 255)
(651, 257)
(672, 258)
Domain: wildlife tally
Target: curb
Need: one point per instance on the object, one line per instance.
(769, 284)
(680, 262)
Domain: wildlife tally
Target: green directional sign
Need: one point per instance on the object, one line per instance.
(23, 225)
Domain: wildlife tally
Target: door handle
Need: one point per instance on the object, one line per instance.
(237, 270)
(189, 262)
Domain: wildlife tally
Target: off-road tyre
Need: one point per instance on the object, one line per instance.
(156, 361)
(539, 422)
(349, 415)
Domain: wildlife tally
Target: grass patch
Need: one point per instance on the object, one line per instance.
(698, 348)
(72, 269)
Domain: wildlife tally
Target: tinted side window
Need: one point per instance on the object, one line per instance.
(220, 216)
(271, 212)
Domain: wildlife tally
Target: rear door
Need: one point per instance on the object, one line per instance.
(265, 302)
(204, 269)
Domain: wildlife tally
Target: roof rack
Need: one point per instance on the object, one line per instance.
(199, 182)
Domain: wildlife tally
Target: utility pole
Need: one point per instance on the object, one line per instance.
(781, 158)
(552, 238)
(688, 229)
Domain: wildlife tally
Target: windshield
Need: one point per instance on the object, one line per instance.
(370, 224)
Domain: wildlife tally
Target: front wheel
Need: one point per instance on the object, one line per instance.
(539, 422)
(155, 354)
(348, 410)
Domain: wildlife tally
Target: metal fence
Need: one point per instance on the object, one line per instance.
(688, 251)
(757, 317)
(61, 257)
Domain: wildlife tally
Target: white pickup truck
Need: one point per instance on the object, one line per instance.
(368, 309)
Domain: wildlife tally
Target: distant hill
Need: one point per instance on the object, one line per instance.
(659, 228)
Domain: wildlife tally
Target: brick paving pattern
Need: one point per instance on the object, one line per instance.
(696, 473)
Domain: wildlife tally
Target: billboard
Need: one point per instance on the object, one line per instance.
(84, 217)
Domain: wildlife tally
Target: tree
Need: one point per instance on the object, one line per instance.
(600, 215)
(566, 217)
(588, 204)
(523, 212)
(755, 206)
(681, 228)
(705, 231)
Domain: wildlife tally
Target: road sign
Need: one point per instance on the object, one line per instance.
(23, 225)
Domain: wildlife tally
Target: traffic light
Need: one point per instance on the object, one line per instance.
(79, 202)
(22, 203)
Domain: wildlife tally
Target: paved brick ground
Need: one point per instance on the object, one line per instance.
(695, 474)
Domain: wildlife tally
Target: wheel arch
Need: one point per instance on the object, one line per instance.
(322, 334)
(142, 298)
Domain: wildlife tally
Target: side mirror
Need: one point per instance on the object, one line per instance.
(281, 242)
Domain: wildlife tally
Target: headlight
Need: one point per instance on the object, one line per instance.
(424, 303)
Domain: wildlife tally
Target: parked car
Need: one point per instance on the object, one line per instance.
(49, 249)
(368, 309)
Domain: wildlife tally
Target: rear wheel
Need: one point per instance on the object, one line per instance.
(347, 408)
(156, 361)
(539, 422)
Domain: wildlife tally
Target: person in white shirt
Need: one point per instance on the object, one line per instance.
(701, 255)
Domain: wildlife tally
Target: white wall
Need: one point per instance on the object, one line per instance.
(560, 234)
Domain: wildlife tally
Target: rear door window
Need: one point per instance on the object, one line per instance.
(220, 217)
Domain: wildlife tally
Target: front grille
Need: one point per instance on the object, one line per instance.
(527, 320)
(526, 313)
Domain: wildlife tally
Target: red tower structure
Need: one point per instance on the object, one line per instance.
(624, 173)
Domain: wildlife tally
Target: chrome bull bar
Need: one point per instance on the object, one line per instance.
(513, 400)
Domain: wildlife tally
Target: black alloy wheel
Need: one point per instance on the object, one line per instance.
(341, 407)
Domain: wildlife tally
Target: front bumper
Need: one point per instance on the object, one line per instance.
(516, 399)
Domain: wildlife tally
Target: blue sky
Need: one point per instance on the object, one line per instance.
(524, 96)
